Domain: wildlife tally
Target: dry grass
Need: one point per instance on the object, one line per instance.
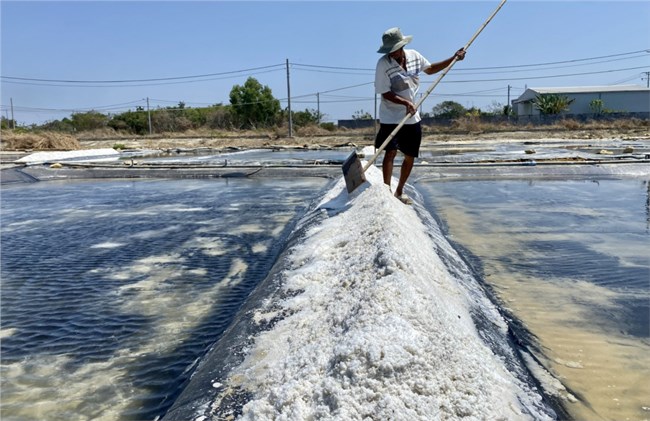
(312, 135)
(474, 125)
(312, 130)
(12, 140)
(570, 124)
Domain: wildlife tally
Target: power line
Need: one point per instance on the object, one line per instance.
(647, 51)
(331, 67)
(551, 68)
(141, 80)
(282, 66)
(116, 105)
(547, 76)
(627, 79)
(494, 80)
(369, 83)
(76, 109)
(139, 85)
(332, 98)
(367, 72)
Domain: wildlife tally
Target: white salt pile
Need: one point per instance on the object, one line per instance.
(374, 327)
(83, 155)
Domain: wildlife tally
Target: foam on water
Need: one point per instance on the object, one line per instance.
(371, 324)
(107, 245)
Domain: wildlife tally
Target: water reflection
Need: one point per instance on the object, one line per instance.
(112, 290)
(570, 260)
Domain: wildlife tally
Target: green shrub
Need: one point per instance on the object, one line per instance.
(330, 127)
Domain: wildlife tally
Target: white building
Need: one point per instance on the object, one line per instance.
(618, 99)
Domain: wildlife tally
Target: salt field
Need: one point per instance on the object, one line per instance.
(249, 284)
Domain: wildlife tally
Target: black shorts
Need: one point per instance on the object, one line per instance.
(407, 140)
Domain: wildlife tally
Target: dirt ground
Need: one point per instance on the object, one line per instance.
(17, 143)
(356, 139)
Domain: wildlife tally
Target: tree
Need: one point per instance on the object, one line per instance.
(305, 118)
(253, 105)
(552, 104)
(361, 115)
(170, 120)
(597, 106)
(473, 112)
(220, 117)
(496, 108)
(64, 125)
(7, 123)
(448, 109)
(90, 120)
(131, 121)
(198, 117)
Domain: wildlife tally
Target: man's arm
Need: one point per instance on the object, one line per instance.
(436, 67)
(392, 97)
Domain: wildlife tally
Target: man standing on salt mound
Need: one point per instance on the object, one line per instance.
(397, 79)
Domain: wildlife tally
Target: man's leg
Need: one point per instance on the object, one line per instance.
(387, 166)
(404, 174)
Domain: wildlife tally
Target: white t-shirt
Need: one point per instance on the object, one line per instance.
(390, 76)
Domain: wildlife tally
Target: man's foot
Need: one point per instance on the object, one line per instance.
(404, 199)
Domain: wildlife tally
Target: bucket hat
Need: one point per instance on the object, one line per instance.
(393, 40)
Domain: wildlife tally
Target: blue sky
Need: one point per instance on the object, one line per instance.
(84, 51)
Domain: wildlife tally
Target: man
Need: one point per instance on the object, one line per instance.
(397, 80)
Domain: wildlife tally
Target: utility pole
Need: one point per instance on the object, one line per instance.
(149, 116)
(508, 104)
(289, 102)
(647, 79)
(13, 120)
(318, 106)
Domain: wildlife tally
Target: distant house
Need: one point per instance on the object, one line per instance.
(617, 99)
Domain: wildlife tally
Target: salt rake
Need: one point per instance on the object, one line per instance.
(353, 171)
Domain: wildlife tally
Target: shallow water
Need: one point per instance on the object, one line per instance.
(571, 260)
(113, 290)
